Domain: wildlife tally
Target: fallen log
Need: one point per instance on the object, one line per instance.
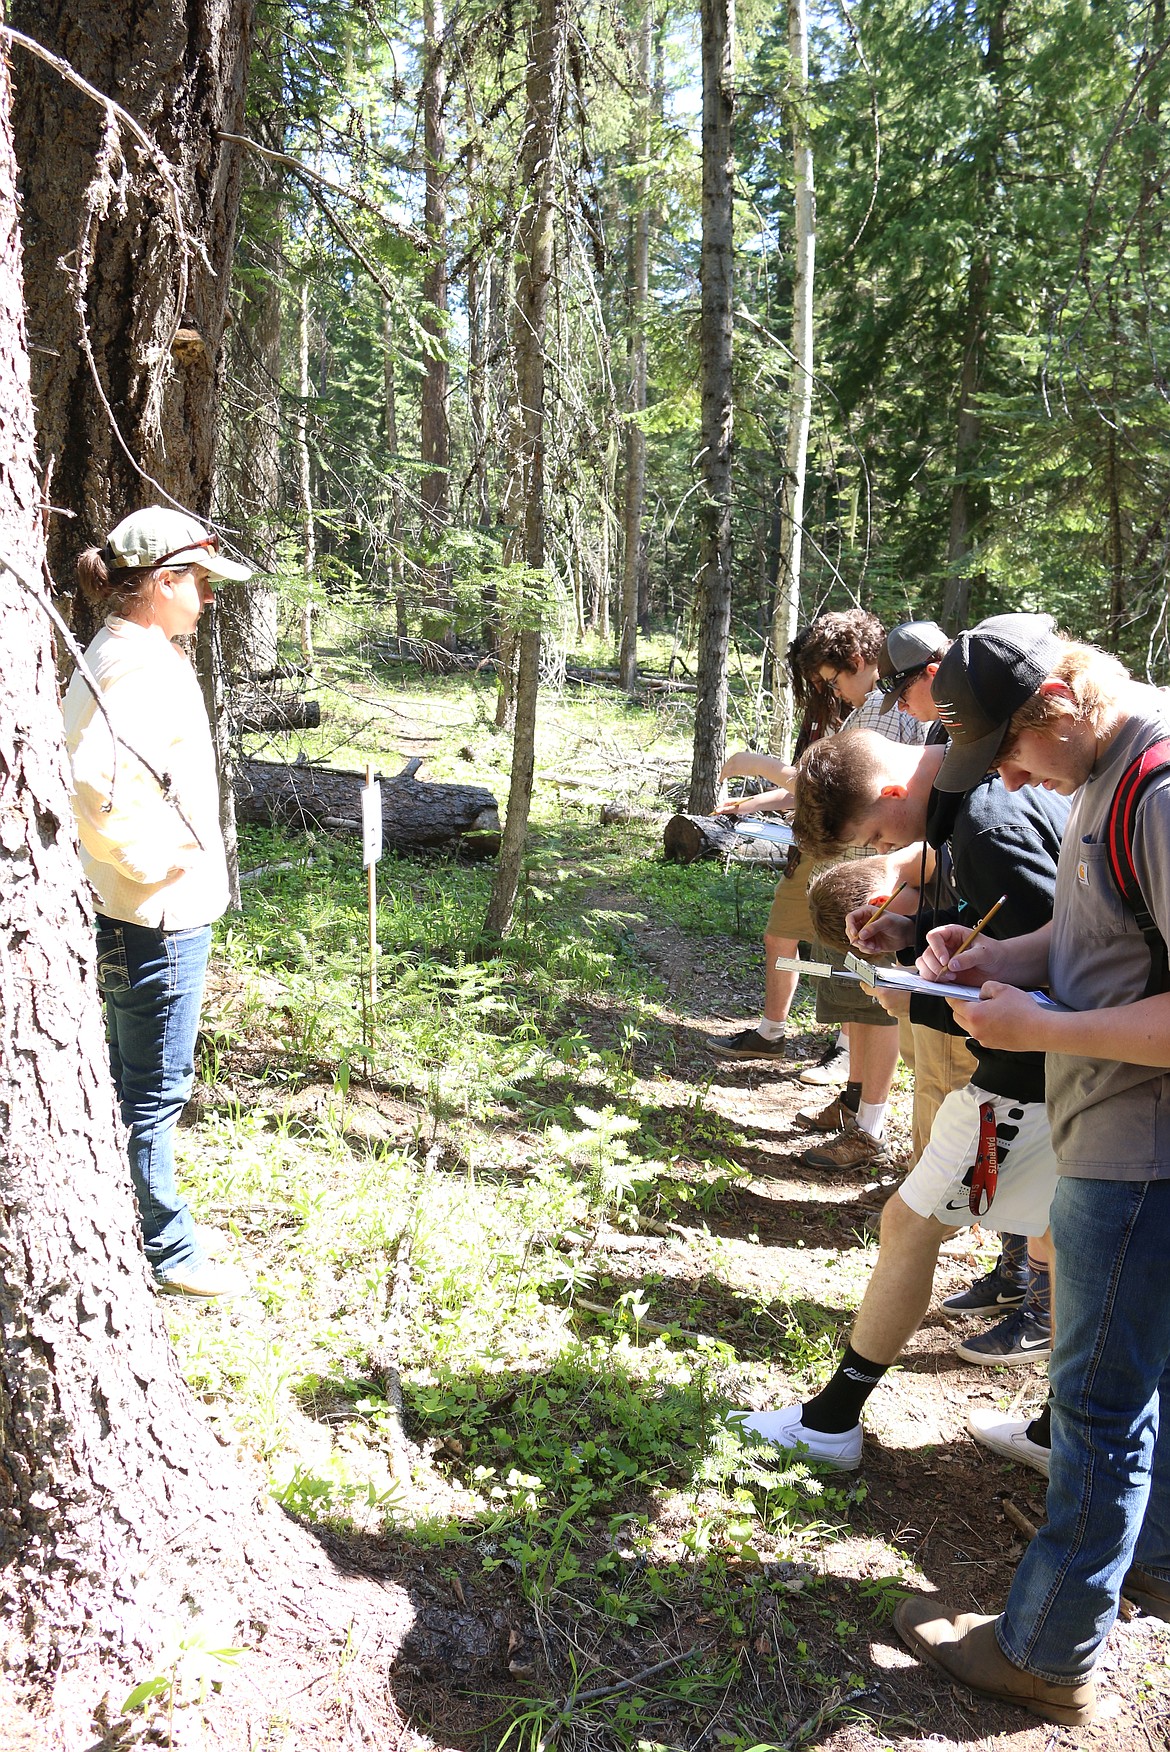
(615, 814)
(687, 838)
(415, 814)
(266, 712)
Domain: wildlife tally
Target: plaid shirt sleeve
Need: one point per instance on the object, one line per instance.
(895, 724)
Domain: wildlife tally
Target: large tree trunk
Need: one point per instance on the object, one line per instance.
(137, 397)
(717, 272)
(128, 298)
(121, 1517)
(633, 560)
(105, 1461)
(787, 615)
(545, 96)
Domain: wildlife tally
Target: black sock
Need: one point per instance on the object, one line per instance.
(1013, 1260)
(850, 1098)
(837, 1407)
(1040, 1428)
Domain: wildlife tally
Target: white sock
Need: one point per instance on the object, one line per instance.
(843, 1045)
(768, 1030)
(871, 1117)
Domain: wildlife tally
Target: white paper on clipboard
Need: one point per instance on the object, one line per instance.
(777, 833)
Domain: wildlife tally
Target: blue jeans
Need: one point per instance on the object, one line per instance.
(1109, 1483)
(152, 983)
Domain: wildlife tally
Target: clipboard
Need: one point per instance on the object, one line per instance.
(904, 979)
(777, 833)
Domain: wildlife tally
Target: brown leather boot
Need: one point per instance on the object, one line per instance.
(1149, 1592)
(964, 1645)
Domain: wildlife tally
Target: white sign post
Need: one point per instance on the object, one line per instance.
(371, 851)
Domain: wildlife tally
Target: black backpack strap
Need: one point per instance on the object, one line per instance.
(1119, 831)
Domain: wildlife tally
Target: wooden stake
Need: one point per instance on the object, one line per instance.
(372, 887)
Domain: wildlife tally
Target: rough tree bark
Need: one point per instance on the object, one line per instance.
(717, 273)
(96, 202)
(787, 615)
(545, 97)
(128, 299)
(633, 560)
(434, 427)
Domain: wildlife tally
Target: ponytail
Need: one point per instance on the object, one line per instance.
(111, 589)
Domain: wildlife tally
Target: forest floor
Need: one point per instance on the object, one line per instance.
(511, 1268)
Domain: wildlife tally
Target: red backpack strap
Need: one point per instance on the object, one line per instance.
(1119, 832)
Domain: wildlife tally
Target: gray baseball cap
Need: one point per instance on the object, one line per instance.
(909, 647)
(988, 674)
(160, 536)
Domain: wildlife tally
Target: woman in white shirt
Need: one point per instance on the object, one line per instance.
(146, 799)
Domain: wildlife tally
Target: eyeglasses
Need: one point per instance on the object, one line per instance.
(901, 678)
(210, 542)
(985, 1174)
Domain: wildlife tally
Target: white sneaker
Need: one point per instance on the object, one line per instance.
(203, 1281)
(784, 1429)
(1008, 1436)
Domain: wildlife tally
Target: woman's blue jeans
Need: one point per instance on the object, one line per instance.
(1109, 1483)
(152, 983)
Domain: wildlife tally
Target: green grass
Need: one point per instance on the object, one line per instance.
(428, 1184)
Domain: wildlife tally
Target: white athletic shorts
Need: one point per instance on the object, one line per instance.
(940, 1182)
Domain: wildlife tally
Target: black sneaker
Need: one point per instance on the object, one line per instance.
(748, 1044)
(990, 1294)
(1024, 1337)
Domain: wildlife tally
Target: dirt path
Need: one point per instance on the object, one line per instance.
(939, 1511)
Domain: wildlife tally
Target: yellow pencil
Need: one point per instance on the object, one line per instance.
(971, 936)
(888, 901)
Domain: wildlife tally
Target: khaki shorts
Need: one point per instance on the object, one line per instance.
(843, 1000)
(790, 916)
(942, 1063)
(838, 1000)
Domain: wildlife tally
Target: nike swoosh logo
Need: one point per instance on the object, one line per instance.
(1027, 1344)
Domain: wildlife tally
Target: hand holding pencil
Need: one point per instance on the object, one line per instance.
(896, 931)
(959, 954)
